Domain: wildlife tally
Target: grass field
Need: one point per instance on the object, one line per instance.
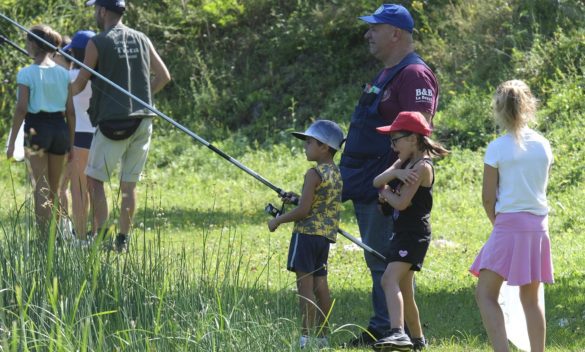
(205, 274)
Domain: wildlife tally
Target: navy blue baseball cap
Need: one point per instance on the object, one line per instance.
(392, 14)
(79, 40)
(113, 5)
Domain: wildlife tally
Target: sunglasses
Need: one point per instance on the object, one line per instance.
(395, 139)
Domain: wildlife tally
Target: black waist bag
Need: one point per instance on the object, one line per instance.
(118, 130)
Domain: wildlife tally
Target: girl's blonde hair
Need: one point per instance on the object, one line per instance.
(47, 33)
(514, 106)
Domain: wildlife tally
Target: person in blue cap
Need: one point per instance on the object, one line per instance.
(316, 221)
(405, 83)
(127, 58)
(84, 131)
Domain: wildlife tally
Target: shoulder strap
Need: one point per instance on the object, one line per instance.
(409, 59)
(430, 162)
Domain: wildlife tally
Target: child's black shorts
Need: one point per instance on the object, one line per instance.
(47, 133)
(83, 139)
(308, 254)
(409, 247)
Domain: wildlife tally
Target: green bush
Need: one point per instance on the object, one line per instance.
(264, 65)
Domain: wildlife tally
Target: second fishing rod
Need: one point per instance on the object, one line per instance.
(193, 135)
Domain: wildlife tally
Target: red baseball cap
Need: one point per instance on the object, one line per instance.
(410, 121)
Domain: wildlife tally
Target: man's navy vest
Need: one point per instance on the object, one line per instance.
(367, 153)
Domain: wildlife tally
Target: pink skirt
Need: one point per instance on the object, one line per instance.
(518, 249)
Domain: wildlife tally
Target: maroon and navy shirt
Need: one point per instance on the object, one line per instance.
(415, 88)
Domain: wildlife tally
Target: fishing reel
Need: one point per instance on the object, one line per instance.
(288, 197)
(274, 211)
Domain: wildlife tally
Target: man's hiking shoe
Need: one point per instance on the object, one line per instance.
(121, 243)
(419, 343)
(396, 341)
(366, 339)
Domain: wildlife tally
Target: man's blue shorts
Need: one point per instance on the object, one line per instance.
(308, 254)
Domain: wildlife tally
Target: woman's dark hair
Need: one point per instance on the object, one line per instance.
(46, 33)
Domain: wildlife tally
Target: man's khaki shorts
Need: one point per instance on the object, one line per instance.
(104, 154)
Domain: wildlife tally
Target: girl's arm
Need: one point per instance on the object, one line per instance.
(401, 201)
(388, 175)
(70, 115)
(312, 180)
(488, 192)
(406, 176)
(19, 115)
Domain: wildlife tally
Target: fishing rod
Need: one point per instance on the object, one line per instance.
(4, 39)
(235, 162)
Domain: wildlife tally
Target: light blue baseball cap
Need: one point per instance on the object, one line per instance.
(325, 131)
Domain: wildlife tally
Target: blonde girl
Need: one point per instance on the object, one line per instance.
(516, 171)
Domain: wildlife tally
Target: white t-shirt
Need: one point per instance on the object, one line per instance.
(81, 104)
(522, 170)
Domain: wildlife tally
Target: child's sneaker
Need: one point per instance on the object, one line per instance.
(396, 341)
(419, 343)
(303, 341)
(121, 243)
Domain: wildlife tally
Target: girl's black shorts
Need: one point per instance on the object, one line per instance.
(409, 247)
(49, 134)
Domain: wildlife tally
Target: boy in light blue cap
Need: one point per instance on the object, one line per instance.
(316, 221)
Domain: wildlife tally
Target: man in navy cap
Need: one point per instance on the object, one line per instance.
(405, 83)
(127, 58)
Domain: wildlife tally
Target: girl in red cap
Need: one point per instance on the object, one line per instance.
(410, 194)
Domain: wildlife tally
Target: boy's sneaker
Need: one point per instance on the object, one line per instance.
(396, 341)
(121, 243)
(419, 343)
(303, 341)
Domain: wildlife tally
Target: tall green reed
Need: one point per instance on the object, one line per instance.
(57, 296)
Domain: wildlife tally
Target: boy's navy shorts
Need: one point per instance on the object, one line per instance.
(308, 254)
(409, 247)
(48, 133)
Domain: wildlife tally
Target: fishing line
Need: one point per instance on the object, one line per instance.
(185, 130)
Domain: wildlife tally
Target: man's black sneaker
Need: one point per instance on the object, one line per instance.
(121, 243)
(396, 341)
(366, 339)
(419, 343)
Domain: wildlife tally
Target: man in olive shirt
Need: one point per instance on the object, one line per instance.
(127, 58)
